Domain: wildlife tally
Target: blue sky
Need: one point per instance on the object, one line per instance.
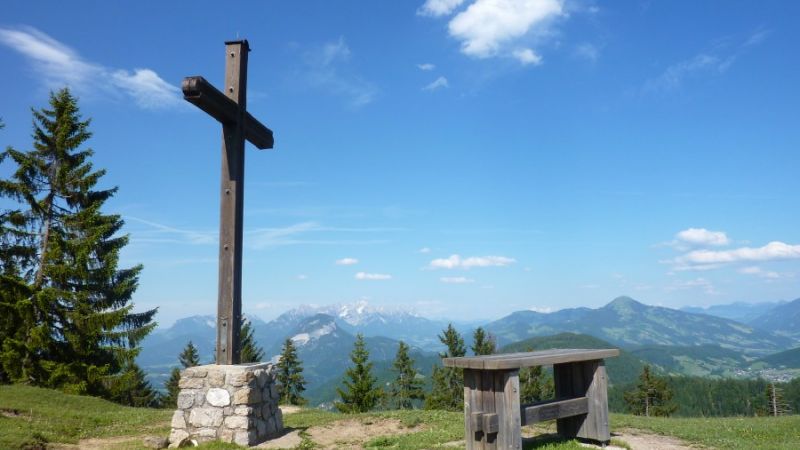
(463, 159)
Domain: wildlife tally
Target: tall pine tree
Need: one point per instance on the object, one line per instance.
(76, 327)
(448, 383)
(360, 394)
(406, 387)
(483, 343)
(290, 375)
(250, 352)
(650, 397)
(188, 358)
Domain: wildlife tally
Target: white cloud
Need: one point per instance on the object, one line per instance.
(438, 83)
(346, 262)
(773, 251)
(527, 56)
(456, 280)
(702, 237)
(542, 309)
(488, 27)
(327, 70)
(372, 276)
(757, 271)
(426, 67)
(456, 262)
(437, 8)
(301, 277)
(424, 250)
(59, 65)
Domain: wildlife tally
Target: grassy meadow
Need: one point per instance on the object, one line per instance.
(35, 418)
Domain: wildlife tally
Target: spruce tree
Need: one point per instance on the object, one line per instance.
(250, 351)
(483, 343)
(76, 327)
(448, 383)
(360, 394)
(535, 384)
(188, 358)
(651, 397)
(406, 387)
(131, 388)
(290, 375)
(776, 405)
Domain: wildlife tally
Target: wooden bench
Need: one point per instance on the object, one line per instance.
(492, 411)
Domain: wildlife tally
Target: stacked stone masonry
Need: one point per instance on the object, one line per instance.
(237, 403)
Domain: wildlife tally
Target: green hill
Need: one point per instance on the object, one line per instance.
(698, 360)
(630, 324)
(783, 320)
(621, 370)
(790, 359)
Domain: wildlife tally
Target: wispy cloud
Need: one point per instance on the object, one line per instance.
(424, 250)
(456, 262)
(426, 67)
(506, 28)
(437, 8)
(698, 283)
(372, 276)
(327, 70)
(158, 232)
(456, 280)
(759, 272)
(346, 262)
(701, 237)
(713, 61)
(438, 83)
(58, 65)
(773, 251)
(587, 51)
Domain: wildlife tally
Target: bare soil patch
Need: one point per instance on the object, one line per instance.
(640, 440)
(352, 434)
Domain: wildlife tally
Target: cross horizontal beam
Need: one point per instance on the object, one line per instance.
(201, 93)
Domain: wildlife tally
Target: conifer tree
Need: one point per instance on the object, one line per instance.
(250, 352)
(534, 384)
(483, 343)
(406, 387)
(448, 383)
(360, 393)
(776, 405)
(76, 328)
(131, 388)
(651, 397)
(290, 375)
(188, 358)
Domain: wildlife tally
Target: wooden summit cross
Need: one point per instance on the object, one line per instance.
(230, 108)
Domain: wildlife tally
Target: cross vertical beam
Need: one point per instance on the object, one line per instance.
(229, 305)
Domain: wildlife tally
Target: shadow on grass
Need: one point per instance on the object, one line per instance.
(548, 441)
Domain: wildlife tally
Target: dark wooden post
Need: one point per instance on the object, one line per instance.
(584, 379)
(229, 304)
(230, 108)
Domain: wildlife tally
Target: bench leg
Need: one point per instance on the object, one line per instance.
(491, 410)
(578, 379)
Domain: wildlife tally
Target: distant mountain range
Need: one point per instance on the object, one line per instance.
(630, 324)
(738, 311)
(673, 341)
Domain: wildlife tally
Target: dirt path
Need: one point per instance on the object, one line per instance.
(641, 440)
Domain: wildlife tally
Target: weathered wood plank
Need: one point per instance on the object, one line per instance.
(554, 409)
(595, 426)
(506, 397)
(473, 402)
(488, 393)
(528, 359)
(229, 306)
(201, 93)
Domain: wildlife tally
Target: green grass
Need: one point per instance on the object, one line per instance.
(721, 432)
(40, 416)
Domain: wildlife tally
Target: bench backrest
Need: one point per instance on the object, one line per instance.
(506, 361)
